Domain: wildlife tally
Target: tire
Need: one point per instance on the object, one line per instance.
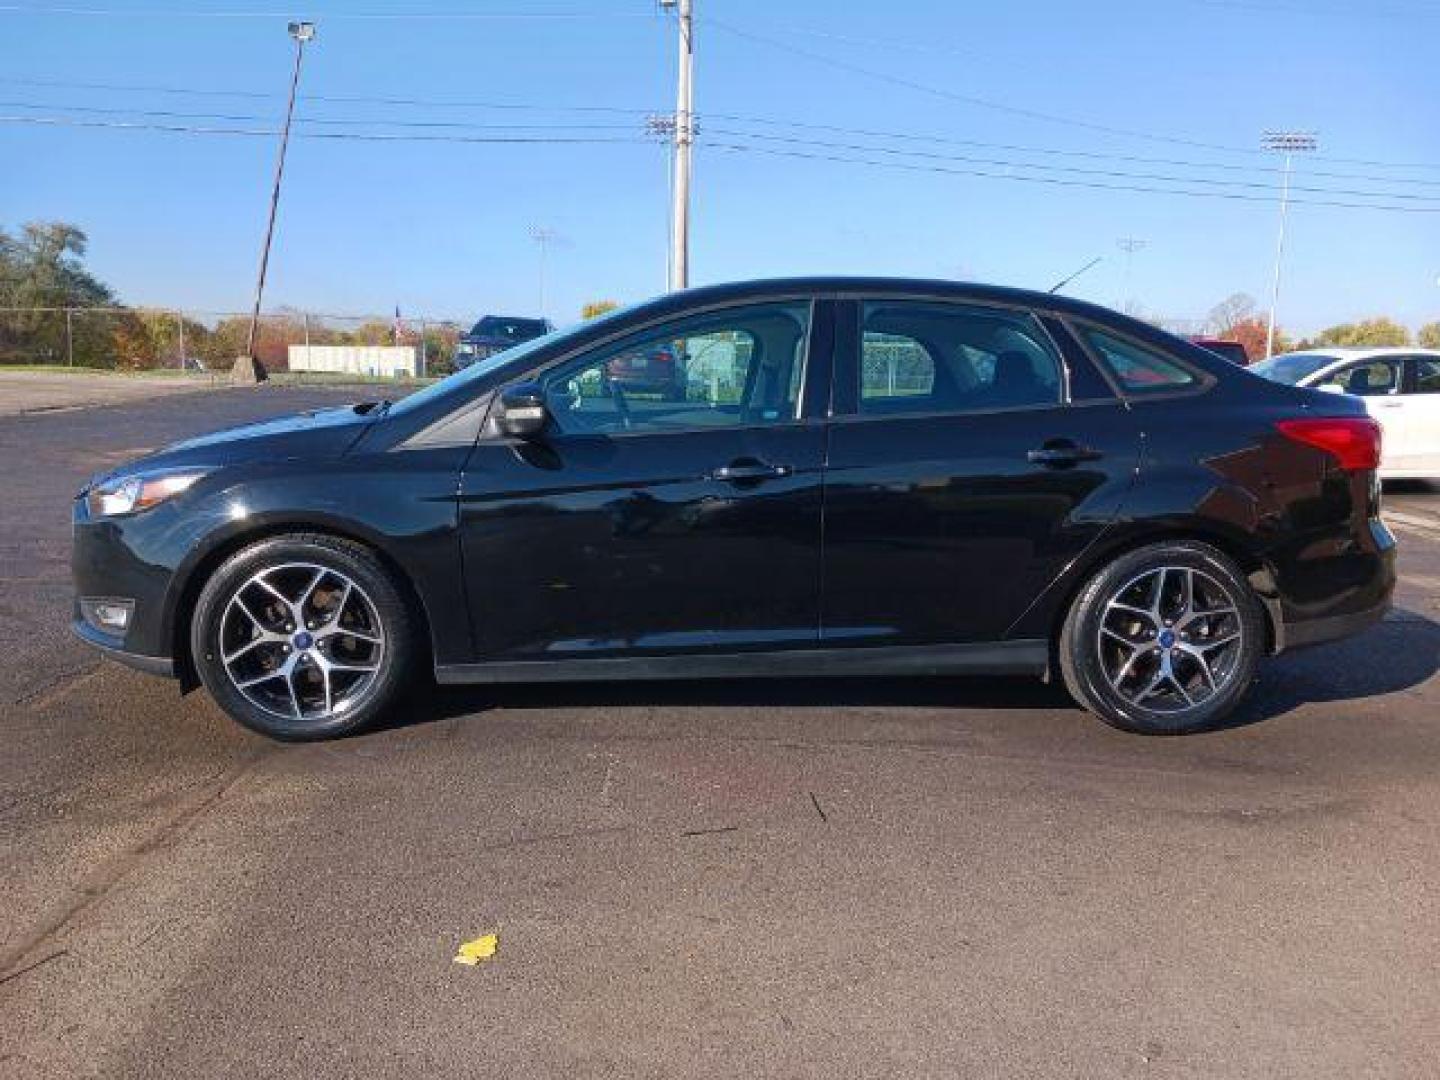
(1142, 661)
(332, 676)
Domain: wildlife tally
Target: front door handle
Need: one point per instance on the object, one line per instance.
(738, 472)
(1061, 453)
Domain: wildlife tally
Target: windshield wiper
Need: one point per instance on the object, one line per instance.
(379, 408)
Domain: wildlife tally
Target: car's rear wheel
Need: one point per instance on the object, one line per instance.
(302, 637)
(1163, 641)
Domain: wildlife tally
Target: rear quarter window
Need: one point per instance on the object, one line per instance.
(1138, 369)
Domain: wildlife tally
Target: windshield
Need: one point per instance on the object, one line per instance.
(494, 362)
(1292, 369)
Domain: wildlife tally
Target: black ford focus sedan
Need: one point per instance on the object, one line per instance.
(843, 477)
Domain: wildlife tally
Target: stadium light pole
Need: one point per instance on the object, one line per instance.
(302, 32)
(1288, 143)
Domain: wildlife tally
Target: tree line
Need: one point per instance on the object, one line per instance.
(42, 266)
(42, 269)
(1236, 318)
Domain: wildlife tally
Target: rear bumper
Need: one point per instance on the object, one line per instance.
(1332, 627)
(1355, 594)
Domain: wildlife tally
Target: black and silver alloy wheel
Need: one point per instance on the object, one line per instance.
(1165, 640)
(302, 637)
(1169, 638)
(301, 641)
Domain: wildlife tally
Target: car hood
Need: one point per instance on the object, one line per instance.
(319, 433)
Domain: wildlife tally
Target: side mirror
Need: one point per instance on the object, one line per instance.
(523, 414)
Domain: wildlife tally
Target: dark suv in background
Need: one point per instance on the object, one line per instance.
(496, 333)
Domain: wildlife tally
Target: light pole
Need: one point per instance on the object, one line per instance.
(679, 276)
(1288, 143)
(301, 32)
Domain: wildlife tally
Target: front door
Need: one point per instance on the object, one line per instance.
(963, 472)
(673, 506)
(1422, 418)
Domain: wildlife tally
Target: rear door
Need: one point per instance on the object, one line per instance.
(968, 464)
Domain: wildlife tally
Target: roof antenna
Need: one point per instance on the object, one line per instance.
(1066, 281)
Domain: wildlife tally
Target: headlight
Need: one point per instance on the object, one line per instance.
(128, 494)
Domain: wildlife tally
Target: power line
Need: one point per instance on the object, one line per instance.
(357, 136)
(824, 144)
(169, 114)
(808, 125)
(250, 13)
(911, 166)
(1071, 169)
(967, 99)
(351, 99)
(1057, 182)
(1014, 110)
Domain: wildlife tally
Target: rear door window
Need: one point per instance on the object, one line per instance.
(927, 357)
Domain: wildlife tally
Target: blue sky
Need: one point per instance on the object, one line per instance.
(443, 227)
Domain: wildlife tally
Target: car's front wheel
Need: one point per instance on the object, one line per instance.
(302, 637)
(1165, 640)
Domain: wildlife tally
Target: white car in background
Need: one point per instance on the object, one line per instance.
(1400, 387)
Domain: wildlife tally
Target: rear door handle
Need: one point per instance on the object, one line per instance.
(742, 471)
(1061, 454)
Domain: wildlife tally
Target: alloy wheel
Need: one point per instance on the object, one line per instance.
(1170, 639)
(302, 642)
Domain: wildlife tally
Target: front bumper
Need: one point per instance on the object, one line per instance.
(129, 560)
(110, 647)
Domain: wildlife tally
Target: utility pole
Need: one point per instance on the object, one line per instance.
(1288, 143)
(543, 236)
(1129, 245)
(301, 32)
(679, 276)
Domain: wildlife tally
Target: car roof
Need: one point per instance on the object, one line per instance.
(860, 286)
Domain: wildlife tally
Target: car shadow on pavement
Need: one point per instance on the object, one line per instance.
(1400, 653)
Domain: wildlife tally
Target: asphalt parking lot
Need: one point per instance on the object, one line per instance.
(882, 878)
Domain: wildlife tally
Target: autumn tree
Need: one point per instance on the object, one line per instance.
(595, 308)
(1371, 332)
(1429, 336)
(1252, 333)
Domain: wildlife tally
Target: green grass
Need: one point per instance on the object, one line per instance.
(279, 378)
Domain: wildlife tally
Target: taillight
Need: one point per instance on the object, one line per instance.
(1354, 441)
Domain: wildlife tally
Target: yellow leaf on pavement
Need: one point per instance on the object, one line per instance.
(482, 948)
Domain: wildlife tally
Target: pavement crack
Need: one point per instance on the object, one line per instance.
(103, 881)
(818, 809)
(33, 965)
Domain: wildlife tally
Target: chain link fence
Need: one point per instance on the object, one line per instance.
(175, 340)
